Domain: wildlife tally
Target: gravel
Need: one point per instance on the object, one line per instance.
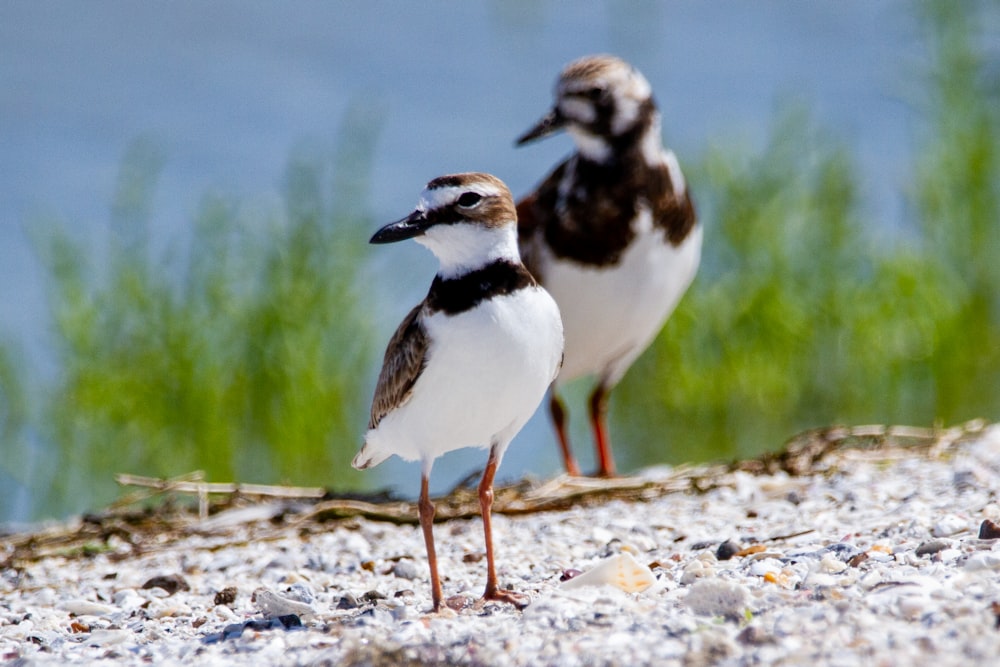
(876, 558)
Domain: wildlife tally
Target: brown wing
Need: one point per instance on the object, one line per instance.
(672, 211)
(405, 359)
(534, 213)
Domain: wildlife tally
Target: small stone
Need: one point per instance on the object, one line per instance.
(458, 602)
(405, 569)
(372, 596)
(695, 570)
(751, 550)
(989, 530)
(87, 608)
(715, 597)
(171, 583)
(368, 565)
(932, 547)
(982, 561)
(347, 601)
(948, 525)
(569, 574)
(831, 564)
(858, 559)
(727, 550)
(273, 605)
(290, 621)
(226, 596)
(77, 626)
(300, 592)
(473, 557)
(754, 635)
(198, 622)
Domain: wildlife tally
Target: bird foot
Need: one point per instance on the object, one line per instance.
(519, 600)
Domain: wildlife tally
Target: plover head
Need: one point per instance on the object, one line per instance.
(466, 220)
(600, 100)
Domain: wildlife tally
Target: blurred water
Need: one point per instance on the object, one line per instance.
(226, 90)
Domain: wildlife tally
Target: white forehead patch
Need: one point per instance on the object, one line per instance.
(432, 198)
(577, 109)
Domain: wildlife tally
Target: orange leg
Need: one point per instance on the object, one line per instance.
(598, 414)
(558, 411)
(493, 592)
(426, 511)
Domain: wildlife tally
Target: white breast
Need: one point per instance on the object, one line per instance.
(611, 314)
(487, 371)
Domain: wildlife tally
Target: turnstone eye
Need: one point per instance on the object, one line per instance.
(594, 94)
(469, 199)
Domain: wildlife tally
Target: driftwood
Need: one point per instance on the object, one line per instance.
(122, 530)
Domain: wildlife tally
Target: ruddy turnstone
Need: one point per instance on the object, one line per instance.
(611, 233)
(469, 365)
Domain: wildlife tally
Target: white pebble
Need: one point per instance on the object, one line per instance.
(271, 604)
(694, 570)
(87, 608)
(949, 525)
(831, 564)
(983, 561)
(764, 566)
(715, 597)
(108, 637)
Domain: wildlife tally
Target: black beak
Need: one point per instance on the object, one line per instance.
(412, 225)
(552, 122)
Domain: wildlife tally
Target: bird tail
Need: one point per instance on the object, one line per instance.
(368, 458)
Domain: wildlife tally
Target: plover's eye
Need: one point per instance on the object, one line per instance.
(594, 93)
(469, 199)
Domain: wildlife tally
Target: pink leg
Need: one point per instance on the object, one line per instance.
(598, 414)
(493, 592)
(426, 510)
(558, 411)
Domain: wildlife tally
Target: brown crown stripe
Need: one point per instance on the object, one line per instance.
(457, 295)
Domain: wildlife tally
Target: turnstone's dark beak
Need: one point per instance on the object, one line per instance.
(552, 122)
(412, 225)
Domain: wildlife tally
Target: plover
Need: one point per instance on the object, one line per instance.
(611, 233)
(470, 364)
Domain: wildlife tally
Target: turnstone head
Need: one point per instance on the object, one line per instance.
(603, 102)
(468, 365)
(611, 232)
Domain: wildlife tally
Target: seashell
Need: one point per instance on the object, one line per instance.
(273, 605)
(87, 608)
(621, 571)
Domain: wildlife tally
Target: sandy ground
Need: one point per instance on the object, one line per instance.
(860, 548)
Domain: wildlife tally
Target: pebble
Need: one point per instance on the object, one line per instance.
(715, 597)
(727, 550)
(171, 583)
(405, 569)
(949, 525)
(989, 530)
(87, 608)
(884, 565)
(226, 596)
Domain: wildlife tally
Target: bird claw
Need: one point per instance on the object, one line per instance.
(519, 600)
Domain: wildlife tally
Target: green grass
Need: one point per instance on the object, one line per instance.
(248, 361)
(806, 314)
(253, 358)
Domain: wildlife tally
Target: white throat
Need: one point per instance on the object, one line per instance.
(464, 246)
(590, 146)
